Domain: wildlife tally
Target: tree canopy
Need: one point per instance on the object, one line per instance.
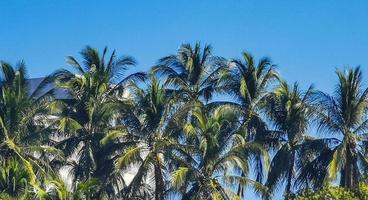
(119, 133)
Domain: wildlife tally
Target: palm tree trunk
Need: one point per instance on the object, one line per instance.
(348, 175)
(159, 180)
(288, 185)
(356, 174)
(350, 171)
(290, 175)
(343, 175)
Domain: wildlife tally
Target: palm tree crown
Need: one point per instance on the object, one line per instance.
(154, 146)
(87, 117)
(344, 113)
(193, 72)
(219, 146)
(248, 82)
(23, 119)
(290, 111)
(166, 134)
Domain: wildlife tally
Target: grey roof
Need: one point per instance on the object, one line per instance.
(33, 83)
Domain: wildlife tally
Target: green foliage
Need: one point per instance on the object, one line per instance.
(217, 149)
(14, 180)
(335, 193)
(344, 114)
(163, 135)
(84, 121)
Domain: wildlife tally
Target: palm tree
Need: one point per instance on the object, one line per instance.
(219, 153)
(86, 118)
(248, 82)
(14, 180)
(151, 131)
(193, 72)
(57, 189)
(23, 127)
(289, 110)
(344, 114)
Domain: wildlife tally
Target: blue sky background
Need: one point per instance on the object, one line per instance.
(307, 39)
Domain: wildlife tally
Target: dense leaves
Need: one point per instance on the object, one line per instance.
(120, 134)
(335, 193)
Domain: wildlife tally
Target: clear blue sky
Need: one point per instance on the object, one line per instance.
(307, 39)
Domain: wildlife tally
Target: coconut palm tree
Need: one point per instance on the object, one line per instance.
(344, 114)
(23, 127)
(150, 129)
(193, 72)
(86, 117)
(289, 110)
(220, 152)
(248, 81)
(57, 189)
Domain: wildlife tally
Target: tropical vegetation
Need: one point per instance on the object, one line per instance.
(195, 126)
